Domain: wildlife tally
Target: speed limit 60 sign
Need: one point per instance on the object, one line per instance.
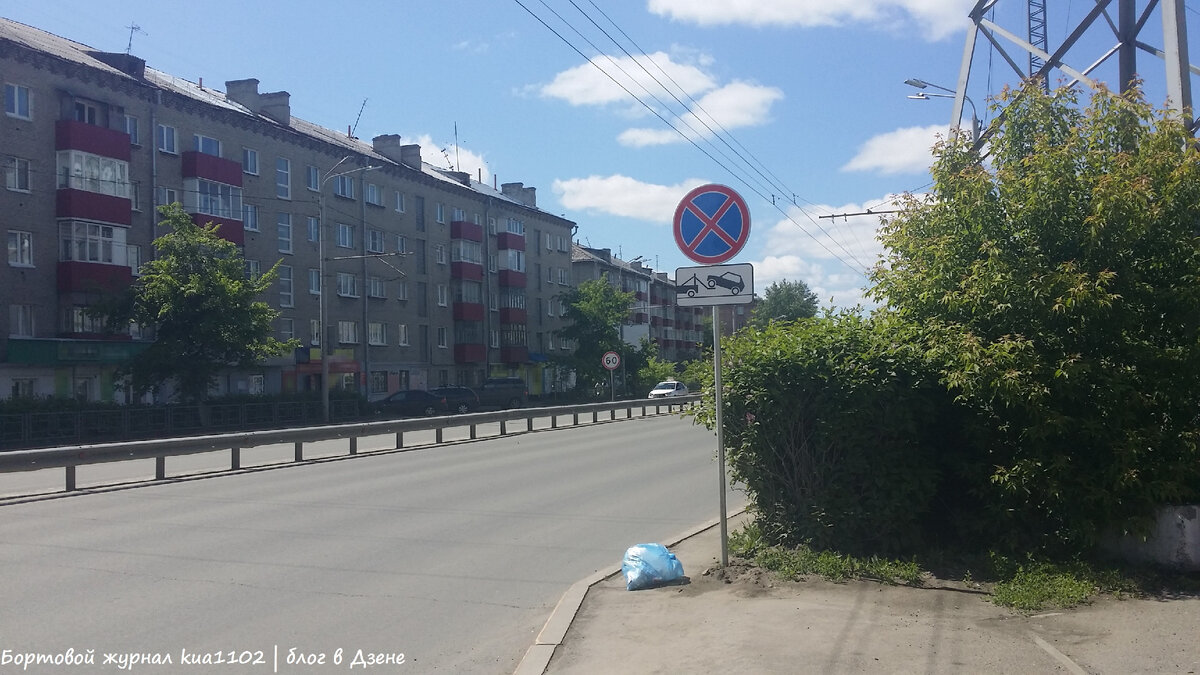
(612, 360)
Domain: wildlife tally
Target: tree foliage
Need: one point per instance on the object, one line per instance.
(204, 311)
(785, 301)
(1058, 289)
(595, 312)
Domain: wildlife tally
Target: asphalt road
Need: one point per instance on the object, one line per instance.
(453, 556)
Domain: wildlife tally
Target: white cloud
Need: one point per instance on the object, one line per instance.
(624, 196)
(738, 104)
(448, 156)
(937, 18)
(907, 150)
(588, 84)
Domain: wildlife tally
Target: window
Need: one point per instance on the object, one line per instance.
(130, 124)
(314, 332)
(513, 260)
(212, 198)
(22, 387)
(314, 281)
(402, 291)
(286, 297)
(348, 332)
(343, 186)
(400, 202)
(345, 235)
(167, 196)
(376, 288)
(549, 274)
(253, 270)
(469, 291)
(440, 212)
(562, 276)
(20, 320)
(402, 335)
(462, 250)
(515, 227)
(283, 178)
(314, 229)
(459, 215)
(373, 195)
(347, 285)
(92, 242)
(78, 320)
(493, 262)
(20, 248)
(562, 243)
(256, 385)
(441, 337)
(84, 171)
(439, 254)
(401, 244)
(549, 242)
(374, 241)
(16, 101)
(442, 295)
(86, 112)
(550, 307)
(378, 382)
(250, 161)
(287, 328)
(250, 217)
(167, 139)
(312, 178)
(133, 255)
(377, 333)
(283, 223)
(491, 226)
(207, 145)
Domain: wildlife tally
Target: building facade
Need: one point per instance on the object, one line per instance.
(430, 277)
(655, 316)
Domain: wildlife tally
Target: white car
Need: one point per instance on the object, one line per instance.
(668, 389)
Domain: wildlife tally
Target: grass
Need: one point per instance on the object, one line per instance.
(1025, 585)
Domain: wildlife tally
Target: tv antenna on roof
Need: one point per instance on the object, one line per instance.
(133, 28)
(356, 119)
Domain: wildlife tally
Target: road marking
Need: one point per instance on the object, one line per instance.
(1058, 656)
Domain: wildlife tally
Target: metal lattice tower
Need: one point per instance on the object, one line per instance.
(1169, 66)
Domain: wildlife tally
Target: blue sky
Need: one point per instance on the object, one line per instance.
(799, 105)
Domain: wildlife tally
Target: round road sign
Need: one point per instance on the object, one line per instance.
(611, 360)
(711, 224)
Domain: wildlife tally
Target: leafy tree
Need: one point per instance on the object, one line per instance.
(595, 312)
(203, 309)
(785, 301)
(1058, 290)
(654, 369)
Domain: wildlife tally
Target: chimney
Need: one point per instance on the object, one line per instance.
(461, 176)
(130, 65)
(519, 193)
(410, 155)
(277, 105)
(243, 92)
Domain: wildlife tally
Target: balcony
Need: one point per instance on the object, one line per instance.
(92, 277)
(73, 203)
(72, 135)
(210, 167)
(469, 353)
(514, 354)
(512, 279)
(510, 241)
(468, 311)
(466, 270)
(230, 230)
(461, 229)
(513, 315)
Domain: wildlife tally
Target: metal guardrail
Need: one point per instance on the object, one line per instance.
(69, 457)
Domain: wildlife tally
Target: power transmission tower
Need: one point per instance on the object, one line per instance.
(1037, 37)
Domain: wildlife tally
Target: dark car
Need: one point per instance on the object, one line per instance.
(503, 392)
(459, 400)
(412, 402)
(731, 280)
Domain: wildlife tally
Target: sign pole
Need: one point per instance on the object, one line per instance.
(612, 386)
(720, 433)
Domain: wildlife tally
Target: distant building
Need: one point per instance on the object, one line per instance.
(655, 315)
(432, 277)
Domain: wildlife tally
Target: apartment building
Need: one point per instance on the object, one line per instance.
(431, 277)
(655, 316)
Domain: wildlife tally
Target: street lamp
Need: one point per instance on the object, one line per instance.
(923, 96)
(323, 319)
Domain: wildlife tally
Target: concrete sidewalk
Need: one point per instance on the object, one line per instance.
(739, 620)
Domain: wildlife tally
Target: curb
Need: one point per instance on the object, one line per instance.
(537, 657)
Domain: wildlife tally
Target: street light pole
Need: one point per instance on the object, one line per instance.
(323, 311)
(923, 96)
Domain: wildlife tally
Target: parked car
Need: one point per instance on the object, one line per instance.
(503, 392)
(668, 389)
(459, 400)
(412, 402)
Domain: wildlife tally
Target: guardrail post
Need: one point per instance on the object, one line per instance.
(643, 410)
(503, 427)
(437, 436)
(629, 413)
(575, 419)
(160, 468)
(612, 413)
(595, 415)
(472, 432)
(399, 439)
(235, 458)
(554, 421)
(529, 423)
(354, 445)
(299, 451)
(70, 479)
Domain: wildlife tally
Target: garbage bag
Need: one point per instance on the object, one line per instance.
(649, 565)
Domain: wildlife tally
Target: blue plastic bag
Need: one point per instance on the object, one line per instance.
(648, 565)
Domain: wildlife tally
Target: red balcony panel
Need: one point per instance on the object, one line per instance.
(641, 317)
(655, 321)
(514, 354)
(510, 241)
(513, 315)
(461, 229)
(466, 270)
(72, 135)
(89, 277)
(230, 230)
(211, 167)
(640, 295)
(669, 323)
(468, 311)
(512, 279)
(467, 353)
(72, 203)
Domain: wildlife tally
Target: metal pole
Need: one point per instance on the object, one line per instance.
(323, 333)
(612, 387)
(720, 434)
